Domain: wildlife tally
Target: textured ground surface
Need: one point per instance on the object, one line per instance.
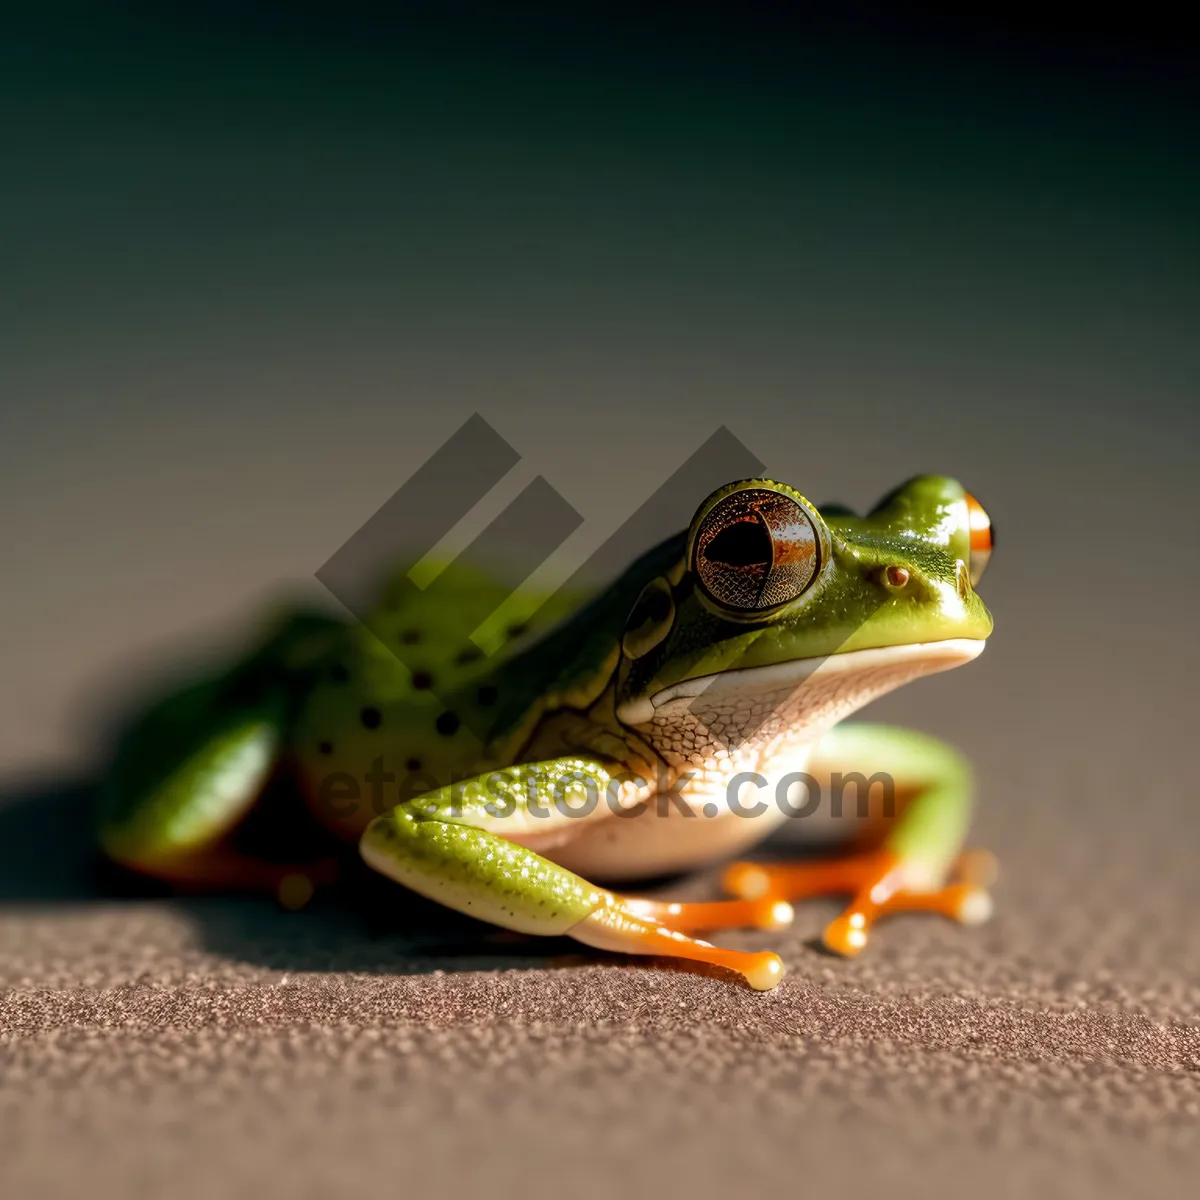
(202, 1045)
(257, 276)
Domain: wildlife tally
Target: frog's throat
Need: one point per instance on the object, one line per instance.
(849, 680)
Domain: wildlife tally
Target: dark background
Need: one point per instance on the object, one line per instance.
(256, 266)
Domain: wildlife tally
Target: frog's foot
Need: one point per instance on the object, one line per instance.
(881, 884)
(295, 885)
(848, 934)
(975, 866)
(622, 927)
(767, 912)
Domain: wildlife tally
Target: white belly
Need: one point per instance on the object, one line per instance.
(696, 827)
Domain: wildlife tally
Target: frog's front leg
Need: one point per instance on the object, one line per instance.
(461, 846)
(917, 866)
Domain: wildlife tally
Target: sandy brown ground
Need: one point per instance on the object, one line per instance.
(222, 1047)
(256, 279)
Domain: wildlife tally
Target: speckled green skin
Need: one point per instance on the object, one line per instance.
(362, 733)
(441, 846)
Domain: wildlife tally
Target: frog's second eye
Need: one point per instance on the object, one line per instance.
(755, 550)
(982, 538)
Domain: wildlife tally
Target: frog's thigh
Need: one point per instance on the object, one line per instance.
(182, 780)
(191, 767)
(444, 847)
(920, 845)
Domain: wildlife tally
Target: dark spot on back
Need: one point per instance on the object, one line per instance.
(515, 631)
(422, 680)
(469, 655)
(410, 637)
(413, 764)
(325, 747)
(447, 723)
(370, 718)
(487, 694)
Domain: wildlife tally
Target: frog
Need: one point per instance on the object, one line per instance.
(659, 725)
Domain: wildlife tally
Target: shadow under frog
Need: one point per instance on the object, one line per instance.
(363, 923)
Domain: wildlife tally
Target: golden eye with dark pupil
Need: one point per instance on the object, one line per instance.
(757, 549)
(745, 544)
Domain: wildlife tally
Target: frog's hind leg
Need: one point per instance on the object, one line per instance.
(623, 928)
(191, 768)
(448, 846)
(917, 865)
(762, 912)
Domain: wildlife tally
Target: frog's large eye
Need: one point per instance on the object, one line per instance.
(983, 538)
(755, 550)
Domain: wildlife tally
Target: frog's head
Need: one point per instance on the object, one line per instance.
(778, 617)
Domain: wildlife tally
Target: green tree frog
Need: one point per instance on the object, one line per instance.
(653, 727)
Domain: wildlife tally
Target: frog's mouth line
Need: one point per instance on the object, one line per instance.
(926, 657)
